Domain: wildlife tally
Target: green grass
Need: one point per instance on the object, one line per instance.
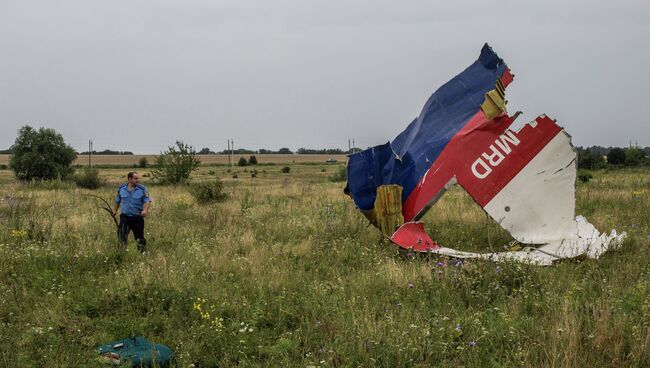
(286, 272)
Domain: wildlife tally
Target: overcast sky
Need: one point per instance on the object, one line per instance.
(138, 75)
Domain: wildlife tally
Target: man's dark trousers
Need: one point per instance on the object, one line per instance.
(135, 224)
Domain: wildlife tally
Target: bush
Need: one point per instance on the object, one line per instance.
(208, 191)
(584, 176)
(175, 165)
(340, 175)
(252, 160)
(242, 162)
(88, 179)
(253, 173)
(285, 170)
(3, 167)
(41, 155)
(590, 159)
(616, 156)
(143, 163)
(634, 156)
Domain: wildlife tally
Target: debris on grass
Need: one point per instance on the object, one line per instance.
(525, 180)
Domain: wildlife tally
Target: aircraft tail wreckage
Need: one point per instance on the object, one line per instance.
(525, 179)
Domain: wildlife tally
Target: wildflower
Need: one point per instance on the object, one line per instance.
(458, 327)
(440, 264)
(472, 344)
(499, 269)
(410, 285)
(18, 233)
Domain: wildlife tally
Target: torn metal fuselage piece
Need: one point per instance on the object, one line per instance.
(525, 179)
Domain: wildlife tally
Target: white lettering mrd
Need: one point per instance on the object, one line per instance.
(482, 166)
(486, 169)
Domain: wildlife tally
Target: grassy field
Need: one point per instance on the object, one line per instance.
(125, 160)
(286, 273)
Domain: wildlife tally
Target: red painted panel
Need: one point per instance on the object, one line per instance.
(412, 236)
(476, 141)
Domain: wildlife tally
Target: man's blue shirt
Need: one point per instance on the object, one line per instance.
(132, 202)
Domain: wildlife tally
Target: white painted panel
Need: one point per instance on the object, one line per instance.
(538, 205)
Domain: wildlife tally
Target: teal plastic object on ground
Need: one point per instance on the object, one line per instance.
(136, 352)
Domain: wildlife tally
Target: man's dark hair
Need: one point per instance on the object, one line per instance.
(130, 174)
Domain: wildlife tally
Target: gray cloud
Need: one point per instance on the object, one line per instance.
(137, 75)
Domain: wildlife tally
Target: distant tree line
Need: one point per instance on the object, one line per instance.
(239, 151)
(597, 157)
(285, 151)
(108, 152)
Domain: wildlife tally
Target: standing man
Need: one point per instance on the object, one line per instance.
(135, 202)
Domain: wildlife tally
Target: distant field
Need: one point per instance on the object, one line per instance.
(205, 159)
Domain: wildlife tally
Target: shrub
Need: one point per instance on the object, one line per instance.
(41, 155)
(285, 170)
(590, 159)
(584, 176)
(208, 191)
(3, 167)
(634, 156)
(242, 162)
(253, 173)
(175, 165)
(340, 175)
(252, 160)
(143, 163)
(88, 179)
(616, 156)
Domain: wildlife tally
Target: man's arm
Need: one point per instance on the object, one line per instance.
(145, 209)
(116, 206)
(146, 199)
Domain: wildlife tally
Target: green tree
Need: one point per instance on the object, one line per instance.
(175, 165)
(143, 163)
(242, 162)
(634, 156)
(590, 159)
(41, 155)
(252, 160)
(616, 156)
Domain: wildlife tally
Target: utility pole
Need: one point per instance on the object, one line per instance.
(228, 151)
(90, 153)
(232, 147)
(349, 146)
(354, 148)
